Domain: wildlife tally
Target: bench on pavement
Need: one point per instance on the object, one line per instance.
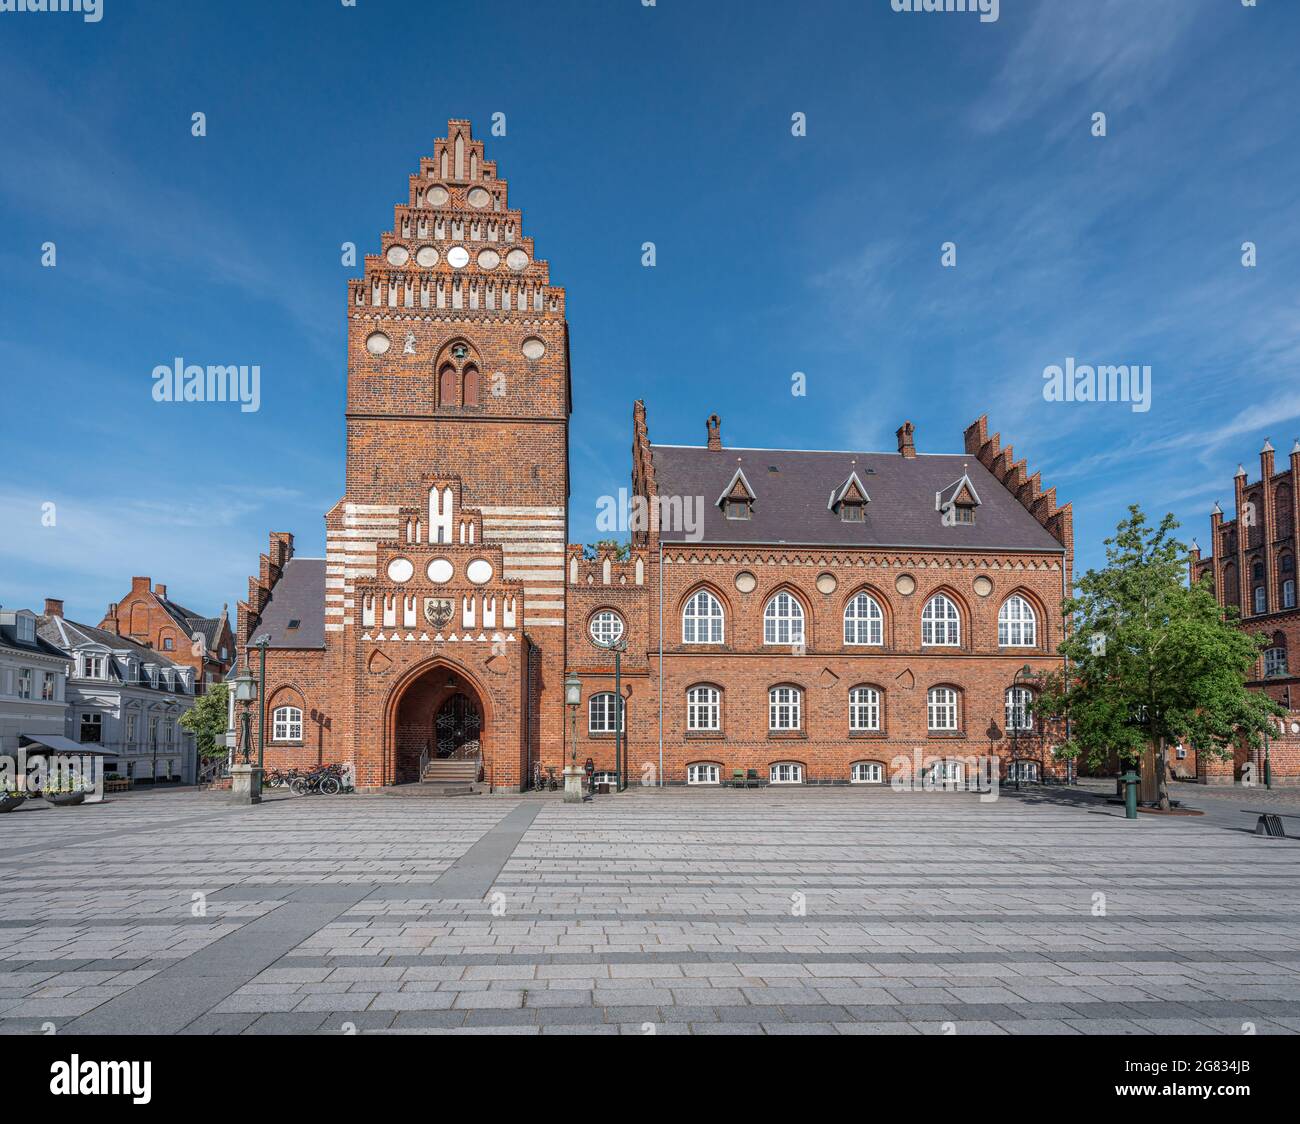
(1270, 823)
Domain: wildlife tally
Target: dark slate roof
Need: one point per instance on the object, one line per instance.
(298, 595)
(192, 622)
(791, 504)
(72, 635)
(9, 640)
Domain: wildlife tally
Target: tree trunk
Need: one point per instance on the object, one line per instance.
(1162, 777)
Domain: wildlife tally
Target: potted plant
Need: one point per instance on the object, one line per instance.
(10, 799)
(64, 793)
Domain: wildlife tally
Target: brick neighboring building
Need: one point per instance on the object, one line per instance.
(448, 608)
(149, 617)
(1252, 563)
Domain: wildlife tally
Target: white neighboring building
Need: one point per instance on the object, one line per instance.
(33, 682)
(126, 699)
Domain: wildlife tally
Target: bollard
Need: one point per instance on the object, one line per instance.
(1130, 780)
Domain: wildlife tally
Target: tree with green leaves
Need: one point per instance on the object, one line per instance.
(622, 550)
(1153, 660)
(206, 720)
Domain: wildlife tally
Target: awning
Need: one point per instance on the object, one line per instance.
(55, 743)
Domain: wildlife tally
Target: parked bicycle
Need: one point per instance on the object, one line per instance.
(280, 778)
(328, 780)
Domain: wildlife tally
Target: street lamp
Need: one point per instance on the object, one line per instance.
(261, 644)
(245, 694)
(572, 774)
(1028, 673)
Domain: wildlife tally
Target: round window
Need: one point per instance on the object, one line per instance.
(458, 257)
(606, 628)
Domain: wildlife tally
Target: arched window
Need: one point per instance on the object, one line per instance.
(940, 622)
(702, 619)
(1017, 707)
(864, 709)
(942, 709)
(783, 620)
(286, 724)
(1261, 599)
(864, 623)
(1257, 570)
(785, 772)
(606, 627)
(600, 713)
(470, 383)
(703, 708)
(784, 706)
(702, 773)
(447, 386)
(1017, 623)
(867, 772)
(1275, 662)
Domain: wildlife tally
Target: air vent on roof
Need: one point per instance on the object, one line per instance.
(772, 468)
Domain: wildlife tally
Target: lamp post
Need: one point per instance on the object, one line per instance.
(572, 774)
(1028, 672)
(261, 644)
(246, 778)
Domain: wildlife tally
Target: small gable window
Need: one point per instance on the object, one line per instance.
(737, 498)
(737, 509)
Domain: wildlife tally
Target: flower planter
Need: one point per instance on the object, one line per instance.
(65, 799)
(117, 786)
(9, 803)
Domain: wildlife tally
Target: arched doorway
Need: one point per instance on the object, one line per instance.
(457, 727)
(437, 715)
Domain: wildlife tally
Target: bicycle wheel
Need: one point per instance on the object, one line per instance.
(299, 786)
(330, 786)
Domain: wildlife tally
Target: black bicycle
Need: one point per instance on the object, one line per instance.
(328, 780)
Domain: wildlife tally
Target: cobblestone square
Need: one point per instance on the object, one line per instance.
(750, 912)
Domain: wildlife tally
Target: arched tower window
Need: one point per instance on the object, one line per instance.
(459, 380)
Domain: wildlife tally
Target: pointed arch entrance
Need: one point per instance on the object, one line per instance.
(436, 712)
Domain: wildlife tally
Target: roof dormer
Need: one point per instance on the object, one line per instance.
(957, 502)
(737, 499)
(850, 500)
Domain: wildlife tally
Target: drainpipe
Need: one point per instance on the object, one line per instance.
(661, 663)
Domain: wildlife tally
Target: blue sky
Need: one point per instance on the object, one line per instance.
(626, 124)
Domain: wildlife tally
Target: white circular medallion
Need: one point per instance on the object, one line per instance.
(746, 582)
(400, 570)
(377, 343)
(906, 584)
(426, 256)
(458, 257)
(479, 571)
(533, 348)
(398, 255)
(440, 571)
(436, 196)
(826, 583)
(477, 197)
(983, 586)
(488, 259)
(517, 260)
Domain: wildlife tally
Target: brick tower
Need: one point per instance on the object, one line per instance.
(443, 634)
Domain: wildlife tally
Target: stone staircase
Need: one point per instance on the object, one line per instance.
(450, 777)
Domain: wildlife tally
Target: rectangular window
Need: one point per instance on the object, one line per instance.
(1275, 662)
(785, 773)
(130, 730)
(702, 709)
(601, 713)
(93, 667)
(943, 709)
(47, 686)
(23, 683)
(92, 729)
(864, 709)
(783, 708)
(701, 774)
(867, 772)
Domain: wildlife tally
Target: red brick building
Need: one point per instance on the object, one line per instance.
(1252, 564)
(807, 615)
(148, 616)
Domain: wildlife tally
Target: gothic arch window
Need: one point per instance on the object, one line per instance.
(459, 377)
(702, 619)
(941, 622)
(864, 623)
(783, 620)
(1017, 623)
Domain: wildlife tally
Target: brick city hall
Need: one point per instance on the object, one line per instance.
(826, 613)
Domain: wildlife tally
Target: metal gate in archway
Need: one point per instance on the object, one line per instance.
(457, 729)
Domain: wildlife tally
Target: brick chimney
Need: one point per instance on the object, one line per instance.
(140, 585)
(161, 590)
(905, 446)
(715, 432)
(53, 607)
(110, 620)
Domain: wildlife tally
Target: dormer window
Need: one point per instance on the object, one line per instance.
(850, 500)
(26, 629)
(92, 667)
(737, 498)
(957, 503)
